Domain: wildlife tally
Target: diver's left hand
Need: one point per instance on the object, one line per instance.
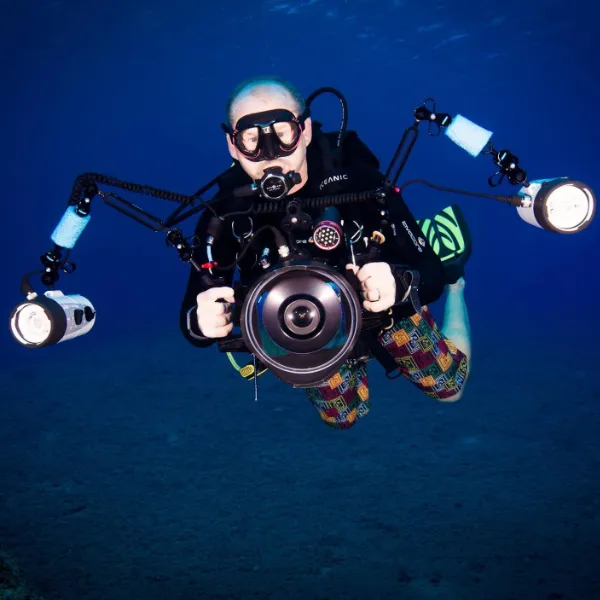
(378, 285)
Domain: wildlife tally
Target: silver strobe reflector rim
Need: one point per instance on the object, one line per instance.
(559, 205)
(31, 324)
(569, 207)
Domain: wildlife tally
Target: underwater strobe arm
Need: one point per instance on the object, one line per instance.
(52, 317)
(559, 204)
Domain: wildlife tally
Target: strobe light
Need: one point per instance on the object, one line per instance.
(560, 205)
(51, 318)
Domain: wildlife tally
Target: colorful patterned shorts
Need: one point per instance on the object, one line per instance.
(424, 357)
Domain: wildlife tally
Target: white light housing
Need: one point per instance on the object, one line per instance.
(560, 205)
(51, 318)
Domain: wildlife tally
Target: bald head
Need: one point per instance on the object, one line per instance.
(264, 91)
(261, 95)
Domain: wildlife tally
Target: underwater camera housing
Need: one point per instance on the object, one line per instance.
(301, 320)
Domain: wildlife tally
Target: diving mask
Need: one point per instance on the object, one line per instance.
(267, 135)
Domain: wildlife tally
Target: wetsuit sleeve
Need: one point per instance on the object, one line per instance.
(198, 282)
(369, 177)
(401, 248)
(408, 249)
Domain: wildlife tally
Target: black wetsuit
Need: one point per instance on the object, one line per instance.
(362, 170)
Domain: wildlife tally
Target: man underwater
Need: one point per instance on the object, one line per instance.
(437, 362)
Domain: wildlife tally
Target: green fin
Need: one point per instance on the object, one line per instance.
(449, 236)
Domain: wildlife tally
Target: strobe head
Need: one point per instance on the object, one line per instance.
(560, 205)
(302, 321)
(51, 318)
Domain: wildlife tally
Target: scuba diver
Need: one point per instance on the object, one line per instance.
(310, 250)
(273, 140)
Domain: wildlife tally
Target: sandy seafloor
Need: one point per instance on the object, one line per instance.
(147, 471)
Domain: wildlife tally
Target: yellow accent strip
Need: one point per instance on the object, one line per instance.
(426, 227)
(452, 226)
(232, 361)
(246, 371)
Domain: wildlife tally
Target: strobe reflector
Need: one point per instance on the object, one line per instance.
(560, 205)
(51, 318)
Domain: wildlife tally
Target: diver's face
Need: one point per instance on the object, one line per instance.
(272, 99)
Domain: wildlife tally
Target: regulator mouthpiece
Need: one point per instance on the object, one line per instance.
(276, 185)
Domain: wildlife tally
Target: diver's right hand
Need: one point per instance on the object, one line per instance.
(214, 315)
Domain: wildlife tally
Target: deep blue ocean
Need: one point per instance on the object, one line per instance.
(134, 466)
